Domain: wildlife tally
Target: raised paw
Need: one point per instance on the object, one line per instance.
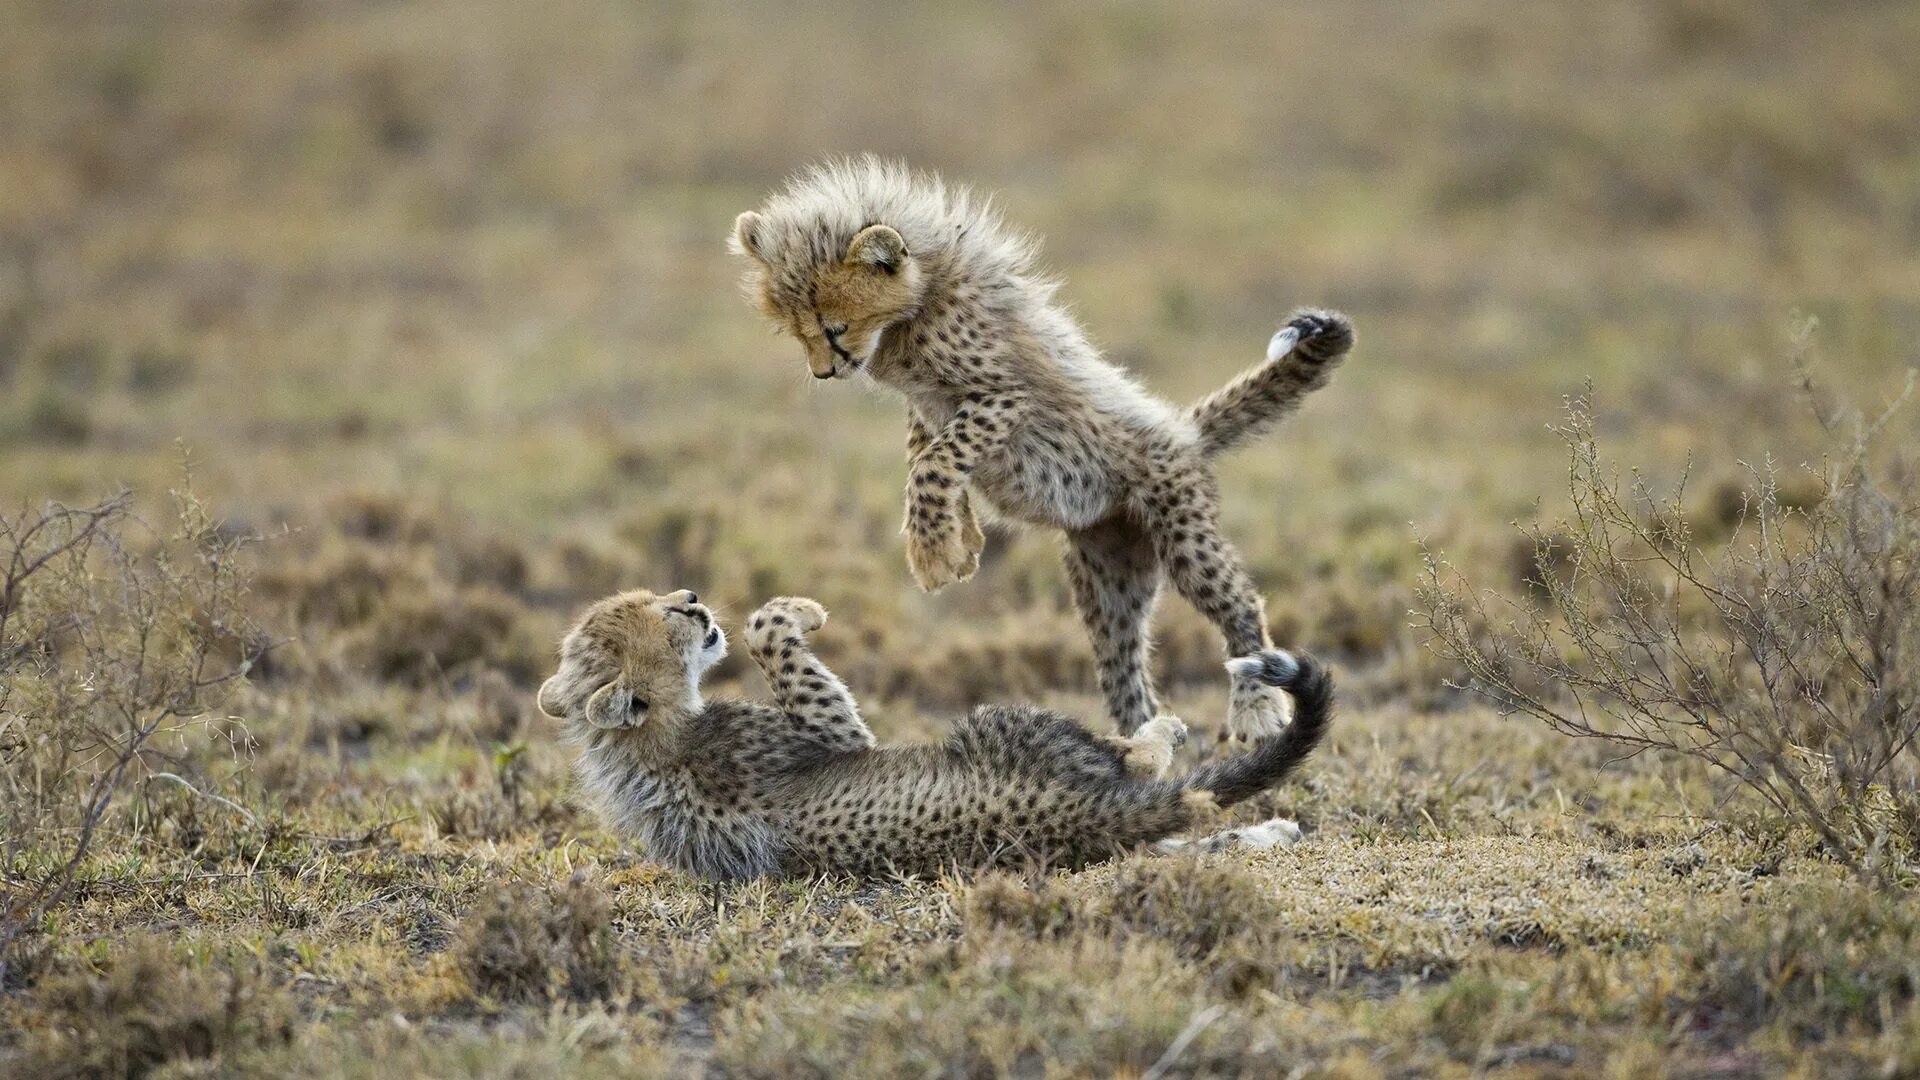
(1148, 752)
(970, 534)
(783, 617)
(940, 557)
(1317, 335)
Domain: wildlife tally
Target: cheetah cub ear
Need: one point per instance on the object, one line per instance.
(747, 236)
(613, 705)
(880, 247)
(563, 693)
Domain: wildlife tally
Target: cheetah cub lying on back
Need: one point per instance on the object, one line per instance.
(888, 274)
(740, 789)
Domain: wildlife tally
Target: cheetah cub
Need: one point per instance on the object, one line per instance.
(741, 789)
(888, 274)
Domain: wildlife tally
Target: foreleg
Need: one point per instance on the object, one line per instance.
(941, 550)
(803, 687)
(919, 437)
(1149, 750)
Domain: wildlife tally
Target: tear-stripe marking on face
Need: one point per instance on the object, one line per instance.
(833, 341)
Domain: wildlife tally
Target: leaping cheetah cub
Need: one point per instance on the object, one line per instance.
(889, 274)
(740, 789)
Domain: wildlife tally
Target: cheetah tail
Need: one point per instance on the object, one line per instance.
(1274, 757)
(1300, 360)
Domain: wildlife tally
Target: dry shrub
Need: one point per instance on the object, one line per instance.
(678, 544)
(109, 636)
(1537, 557)
(1730, 503)
(1187, 649)
(488, 560)
(150, 1008)
(587, 571)
(50, 414)
(1344, 616)
(476, 813)
(382, 517)
(516, 799)
(1358, 622)
(526, 943)
(1787, 658)
(501, 710)
(372, 547)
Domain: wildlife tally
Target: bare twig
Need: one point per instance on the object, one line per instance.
(102, 647)
(1786, 657)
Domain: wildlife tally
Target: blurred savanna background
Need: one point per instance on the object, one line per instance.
(409, 328)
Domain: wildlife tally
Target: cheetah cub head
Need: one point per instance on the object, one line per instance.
(635, 659)
(837, 289)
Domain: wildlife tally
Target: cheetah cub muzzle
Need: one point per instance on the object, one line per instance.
(740, 789)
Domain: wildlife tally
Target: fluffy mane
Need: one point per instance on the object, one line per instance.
(812, 219)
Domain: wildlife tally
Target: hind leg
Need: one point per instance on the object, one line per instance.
(1115, 579)
(1183, 514)
(1274, 832)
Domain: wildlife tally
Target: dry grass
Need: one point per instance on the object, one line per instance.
(436, 296)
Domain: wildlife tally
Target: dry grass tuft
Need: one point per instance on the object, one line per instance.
(1002, 901)
(530, 943)
(422, 637)
(1197, 904)
(153, 1007)
(1836, 956)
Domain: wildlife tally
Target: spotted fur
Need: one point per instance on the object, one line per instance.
(891, 275)
(740, 789)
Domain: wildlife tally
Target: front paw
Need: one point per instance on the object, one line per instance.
(970, 534)
(784, 616)
(940, 556)
(1148, 753)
